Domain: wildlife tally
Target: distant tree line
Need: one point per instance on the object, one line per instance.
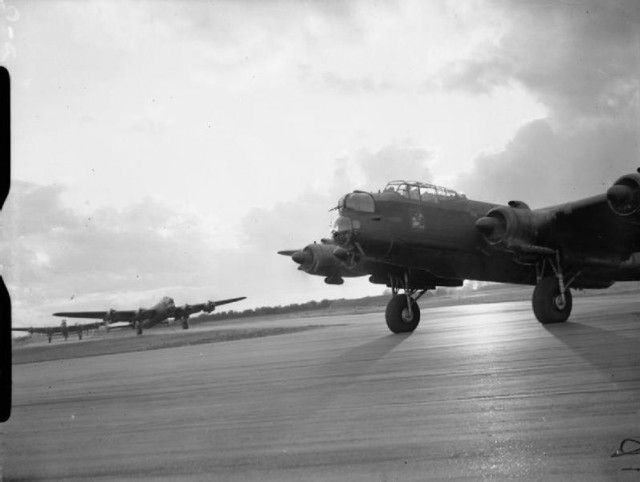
(367, 301)
(267, 310)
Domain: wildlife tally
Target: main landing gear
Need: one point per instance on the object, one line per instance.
(402, 313)
(185, 322)
(552, 300)
(138, 327)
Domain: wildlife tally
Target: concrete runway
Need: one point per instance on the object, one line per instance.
(477, 392)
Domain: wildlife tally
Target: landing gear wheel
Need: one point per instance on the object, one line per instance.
(400, 318)
(548, 305)
(138, 328)
(185, 323)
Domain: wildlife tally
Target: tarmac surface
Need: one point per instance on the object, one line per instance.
(480, 391)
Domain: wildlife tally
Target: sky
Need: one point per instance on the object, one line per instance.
(172, 148)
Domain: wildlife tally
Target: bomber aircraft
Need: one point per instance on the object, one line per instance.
(63, 329)
(415, 236)
(149, 317)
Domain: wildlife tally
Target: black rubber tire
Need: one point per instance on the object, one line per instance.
(185, 324)
(138, 328)
(394, 315)
(545, 302)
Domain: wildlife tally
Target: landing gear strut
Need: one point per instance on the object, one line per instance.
(552, 300)
(402, 313)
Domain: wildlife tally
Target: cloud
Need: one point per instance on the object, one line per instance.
(52, 252)
(40, 210)
(55, 258)
(294, 224)
(580, 60)
(362, 85)
(543, 166)
(394, 162)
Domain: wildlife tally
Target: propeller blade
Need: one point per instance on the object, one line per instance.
(288, 252)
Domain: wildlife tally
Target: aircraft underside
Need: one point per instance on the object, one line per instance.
(414, 236)
(551, 278)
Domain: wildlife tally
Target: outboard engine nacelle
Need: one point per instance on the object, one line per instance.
(624, 195)
(328, 260)
(513, 226)
(318, 259)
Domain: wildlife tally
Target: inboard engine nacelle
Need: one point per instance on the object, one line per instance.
(624, 195)
(512, 227)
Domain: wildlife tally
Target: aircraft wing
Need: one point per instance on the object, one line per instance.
(589, 227)
(58, 328)
(208, 307)
(111, 315)
(40, 329)
(84, 326)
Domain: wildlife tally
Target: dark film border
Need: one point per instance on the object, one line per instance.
(5, 301)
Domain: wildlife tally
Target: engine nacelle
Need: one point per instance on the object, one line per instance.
(624, 195)
(512, 227)
(328, 260)
(318, 259)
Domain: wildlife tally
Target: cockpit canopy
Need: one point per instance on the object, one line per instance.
(421, 191)
(358, 201)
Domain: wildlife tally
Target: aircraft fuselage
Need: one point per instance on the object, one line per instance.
(439, 235)
(415, 236)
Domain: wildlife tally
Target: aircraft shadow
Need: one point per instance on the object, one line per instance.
(603, 349)
(343, 372)
(372, 351)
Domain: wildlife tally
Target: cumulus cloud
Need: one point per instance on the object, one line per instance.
(362, 85)
(53, 253)
(55, 258)
(293, 224)
(544, 166)
(580, 60)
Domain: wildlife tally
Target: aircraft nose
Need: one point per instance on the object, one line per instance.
(342, 230)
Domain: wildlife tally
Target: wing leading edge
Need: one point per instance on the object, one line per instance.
(112, 315)
(144, 314)
(208, 307)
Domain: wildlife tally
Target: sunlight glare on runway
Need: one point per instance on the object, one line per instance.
(477, 391)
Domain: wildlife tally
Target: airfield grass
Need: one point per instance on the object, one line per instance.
(35, 349)
(149, 341)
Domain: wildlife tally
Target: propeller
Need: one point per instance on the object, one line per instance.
(299, 256)
(288, 252)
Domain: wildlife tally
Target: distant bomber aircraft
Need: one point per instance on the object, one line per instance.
(148, 317)
(63, 329)
(415, 236)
